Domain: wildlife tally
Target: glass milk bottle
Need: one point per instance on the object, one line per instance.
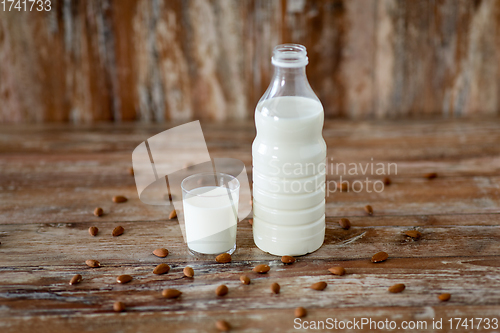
(289, 155)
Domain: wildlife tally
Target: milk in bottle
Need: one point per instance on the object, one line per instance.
(289, 156)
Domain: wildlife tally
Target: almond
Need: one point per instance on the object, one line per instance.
(119, 199)
(431, 175)
(345, 224)
(261, 269)
(221, 290)
(387, 181)
(162, 253)
(250, 221)
(223, 258)
(369, 210)
(245, 279)
(131, 171)
(342, 186)
(415, 234)
(319, 285)
(173, 214)
(93, 231)
(287, 260)
(118, 231)
(92, 263)
(124, 279)
(171, 293)
(337, 270)
(188, 272)
(300, 312)
(119, 307)
(161, 269)
(77, 278)
(444, 297)
(275, 288)
(222, 325)
(397, 288)
(98, 211)
(379, 257)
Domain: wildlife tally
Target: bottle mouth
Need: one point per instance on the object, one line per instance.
(290, 56)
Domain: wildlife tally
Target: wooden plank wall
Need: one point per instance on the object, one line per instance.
(157, 60)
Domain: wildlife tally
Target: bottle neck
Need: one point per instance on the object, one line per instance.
(289, 81)
(289, 75)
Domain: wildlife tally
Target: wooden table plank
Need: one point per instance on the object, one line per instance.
(64, 203)
(71, 244)
(278, 320)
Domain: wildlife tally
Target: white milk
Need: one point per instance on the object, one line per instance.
(210, 216)
(289, 156)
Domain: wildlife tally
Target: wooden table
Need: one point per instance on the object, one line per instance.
(53, 176)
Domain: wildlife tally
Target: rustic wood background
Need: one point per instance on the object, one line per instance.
(155, 60)
(54, 175)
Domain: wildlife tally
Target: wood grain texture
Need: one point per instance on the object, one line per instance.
(114, 60)
(53, 176)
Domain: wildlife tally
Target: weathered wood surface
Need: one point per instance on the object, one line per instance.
(162, 60)
(52, 176)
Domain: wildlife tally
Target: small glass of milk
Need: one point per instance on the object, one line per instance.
(210, 204)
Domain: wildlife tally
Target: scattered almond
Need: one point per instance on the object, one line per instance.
(250, 221)
(337, 270)
(77, 278)
(369, 210)
(287, 259)
(343, 186)
(124, 279)
(397, 288)
(92, 263)
(119, 199)
(188, 272)
(444, 297)
(275, 288)
(119, 307)
(98, 211)
(300, 312)
(118, 231)
(223, 258)
(319, 285)
(171, 293)
(430, 175)
(415, 234)
(387, 181)
(221, 290)
(162, 253)
(173, 214)
(245, 279)
(161, 269)
(261, 269)
(93, 231)
(345, 224)
(131, 171)
(379, 257)
(222, 325)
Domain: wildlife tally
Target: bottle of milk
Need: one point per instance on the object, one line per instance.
(289, 155)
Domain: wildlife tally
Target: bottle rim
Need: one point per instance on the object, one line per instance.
(290, 56)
